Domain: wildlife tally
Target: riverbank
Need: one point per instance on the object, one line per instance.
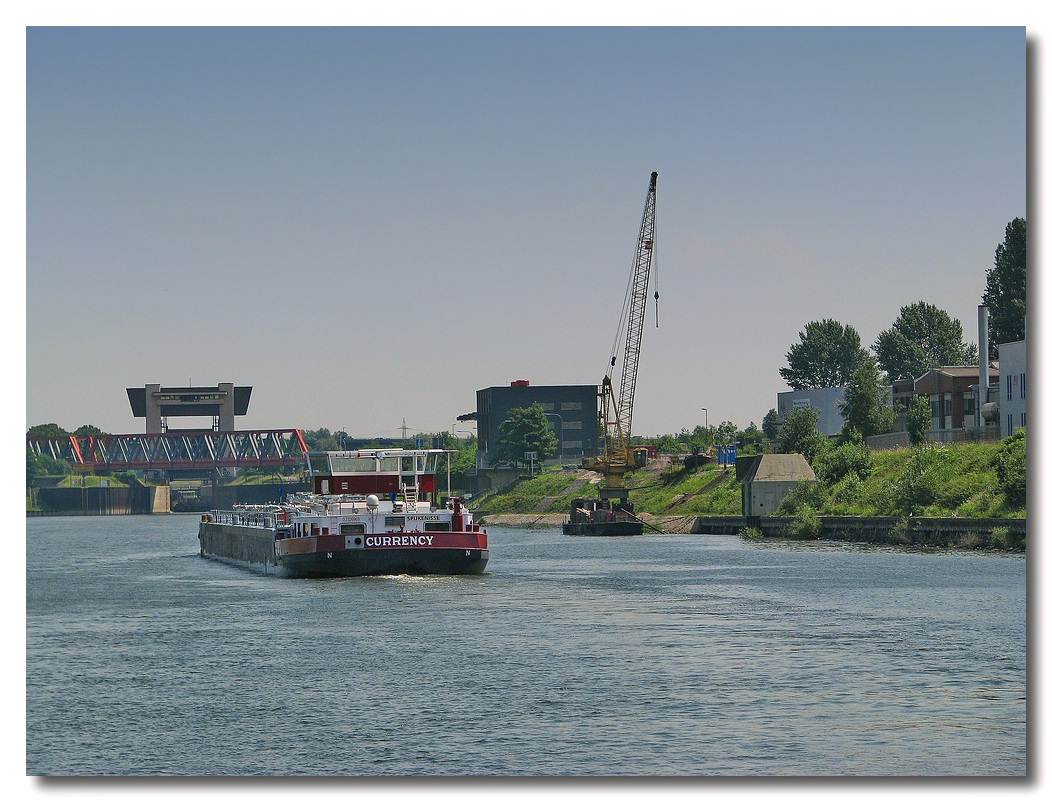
(991, 534)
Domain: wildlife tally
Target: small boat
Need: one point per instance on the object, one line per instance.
(597, 516)
(371, 512)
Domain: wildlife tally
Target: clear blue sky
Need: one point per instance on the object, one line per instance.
(368, 225)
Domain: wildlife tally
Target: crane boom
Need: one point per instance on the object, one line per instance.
(637, 307)
(616, 457)
(612, 513)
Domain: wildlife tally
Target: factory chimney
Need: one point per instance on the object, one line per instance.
(984, 363)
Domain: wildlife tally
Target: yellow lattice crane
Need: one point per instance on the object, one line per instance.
(616, 456)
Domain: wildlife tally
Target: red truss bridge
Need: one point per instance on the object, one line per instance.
(180, 450)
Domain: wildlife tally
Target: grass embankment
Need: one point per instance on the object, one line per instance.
(931, 481)
(658, 489)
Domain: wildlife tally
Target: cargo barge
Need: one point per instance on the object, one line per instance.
(371, 512)
(602, 517)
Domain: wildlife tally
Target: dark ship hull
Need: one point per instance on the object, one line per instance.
(603, 528)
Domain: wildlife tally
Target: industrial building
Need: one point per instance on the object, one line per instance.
(1012, 395)
(572, 412)
(768, 478)
(825, 401)
(222, 403)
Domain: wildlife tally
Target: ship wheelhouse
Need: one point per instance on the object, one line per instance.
(392, 472)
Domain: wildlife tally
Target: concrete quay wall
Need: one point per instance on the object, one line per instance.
(135, 500)
(981, 533)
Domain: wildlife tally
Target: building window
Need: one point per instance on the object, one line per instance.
(1008, 397)
(572, 424)
(565, 405)
(1022, 386)
(1009, 424)
(547, 407)
(572, 444)
(1022, 419)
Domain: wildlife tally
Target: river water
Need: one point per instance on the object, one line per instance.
(657, 655)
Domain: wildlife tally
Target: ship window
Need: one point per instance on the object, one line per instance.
(421, 462)
(437, 526)
(319, 463)
(394, 520)
(407, 464)
(353, 465)
(352, 529)
(389, 464)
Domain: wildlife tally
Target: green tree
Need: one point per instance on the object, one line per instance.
(726, 434)
(666, 444)
(770, 424)
(463, 460)
(826, 356)
(43, 465)
(526, 429)
(866, 406)
(752, 435)
(34, 465)
(921, 338)
(87, 430)
(320, 440)
(918, 419)
(700, 438)
(47, 430)
(1005, 295)
(799, 434)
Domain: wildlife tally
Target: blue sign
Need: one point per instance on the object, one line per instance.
(726, 455)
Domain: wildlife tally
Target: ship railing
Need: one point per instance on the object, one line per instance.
(245, 517)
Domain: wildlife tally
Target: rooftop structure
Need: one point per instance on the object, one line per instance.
(221, 403)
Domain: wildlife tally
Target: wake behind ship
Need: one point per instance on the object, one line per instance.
(371, 512)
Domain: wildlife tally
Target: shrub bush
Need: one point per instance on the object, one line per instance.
(1000, 537)
(805, 494)
(920, 482)
(805, 524)
(842, 460)
(847, 489)
(1010, 464)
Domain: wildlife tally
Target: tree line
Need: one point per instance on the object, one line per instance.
(923, 337)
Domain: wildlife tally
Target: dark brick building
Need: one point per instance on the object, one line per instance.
(572, 412)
